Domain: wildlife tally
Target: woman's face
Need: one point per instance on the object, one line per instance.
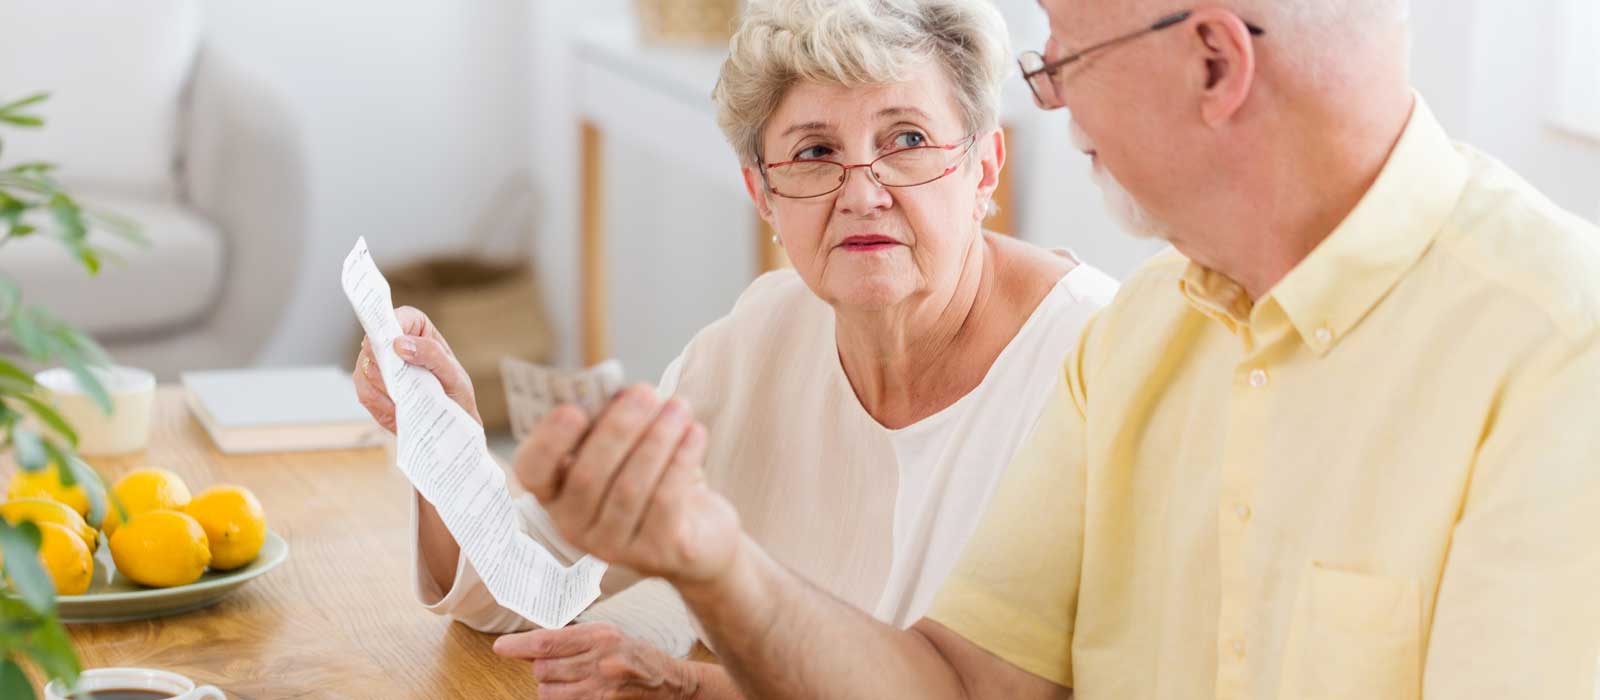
(867, 246)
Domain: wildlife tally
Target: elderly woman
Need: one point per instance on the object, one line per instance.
(858, 409)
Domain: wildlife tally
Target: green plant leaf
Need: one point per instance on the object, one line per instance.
(29, 336)
(48, 415)
(83, 345)
(13, 683)
(86, 255)
(16, 619)
(90, 384)
(21, 120)
(84, 475)
(29, 449)
(51, 649)
(35, 166)
(20, 543)
(33, 99)
(7, 369)
(117, 225)
(11, 384)
(69, 216)
(10, 296)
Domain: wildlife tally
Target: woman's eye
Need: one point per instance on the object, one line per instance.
(814, 153)
(909, 139)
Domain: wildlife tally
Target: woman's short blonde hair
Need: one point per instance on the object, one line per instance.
(857, 43)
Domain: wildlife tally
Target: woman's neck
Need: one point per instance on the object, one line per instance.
(911, 360)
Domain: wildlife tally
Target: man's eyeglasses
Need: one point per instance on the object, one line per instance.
(1044, 76)
(908, 167)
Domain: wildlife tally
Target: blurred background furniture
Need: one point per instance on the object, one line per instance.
(149, 122)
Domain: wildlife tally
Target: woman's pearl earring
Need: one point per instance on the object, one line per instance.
(775, 240)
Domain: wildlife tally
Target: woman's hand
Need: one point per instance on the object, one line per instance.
(420, 344)
(596, 660)
(629, 488)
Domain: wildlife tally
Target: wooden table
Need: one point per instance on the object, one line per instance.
(338, 619)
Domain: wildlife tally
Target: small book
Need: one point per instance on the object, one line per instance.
(288, 409)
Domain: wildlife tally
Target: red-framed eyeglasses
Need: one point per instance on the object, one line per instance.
(808, 178)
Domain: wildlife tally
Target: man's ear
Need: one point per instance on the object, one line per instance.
(992, 159)
(1229, 56)
(758, 194)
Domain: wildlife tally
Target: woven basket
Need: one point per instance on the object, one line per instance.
(687, 22)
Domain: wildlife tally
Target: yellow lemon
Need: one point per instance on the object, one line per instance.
(234, 524)
(40, 510)
(46, 483)
(66, 558)
(161, 548)
(144, 490)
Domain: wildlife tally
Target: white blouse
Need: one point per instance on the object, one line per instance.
(876, 517)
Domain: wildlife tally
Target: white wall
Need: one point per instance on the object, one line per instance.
(415, 112)
(1487, 68)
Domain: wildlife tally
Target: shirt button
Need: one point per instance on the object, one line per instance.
(1243, 511)
(1238, 648)
(1324, 335)
(1258, 378)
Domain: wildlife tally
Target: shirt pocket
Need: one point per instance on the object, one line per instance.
(1354, 636)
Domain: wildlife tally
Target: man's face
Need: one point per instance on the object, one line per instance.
(1123, 111)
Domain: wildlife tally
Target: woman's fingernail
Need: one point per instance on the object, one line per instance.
(406, 347)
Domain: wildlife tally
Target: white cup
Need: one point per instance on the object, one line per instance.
(126, 430)
(94, 679)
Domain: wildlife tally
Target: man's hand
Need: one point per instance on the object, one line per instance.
(596, 660)
(629, 487)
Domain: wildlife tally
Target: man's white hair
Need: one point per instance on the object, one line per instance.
(858, 43)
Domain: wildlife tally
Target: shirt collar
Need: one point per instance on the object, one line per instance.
(1345, 277)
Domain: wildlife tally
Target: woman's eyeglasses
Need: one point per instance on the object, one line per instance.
(1044, 76)
(908, 167)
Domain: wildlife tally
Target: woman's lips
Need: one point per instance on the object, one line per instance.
(868, 243)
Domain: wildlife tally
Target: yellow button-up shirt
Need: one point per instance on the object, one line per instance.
(1380, 480)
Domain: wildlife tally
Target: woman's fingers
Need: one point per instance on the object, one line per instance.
(370, 390)
(624, 502)
(431, 354)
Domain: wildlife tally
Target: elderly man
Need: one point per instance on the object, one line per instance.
(1342, 443)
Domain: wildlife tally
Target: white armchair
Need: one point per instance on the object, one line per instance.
(147, 122)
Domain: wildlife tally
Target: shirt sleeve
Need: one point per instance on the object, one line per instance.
(1015, 591)
(650, 611)
(468, 601)
(1518, 613)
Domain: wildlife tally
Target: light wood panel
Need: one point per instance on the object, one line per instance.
(591, 183)
(1005, 221)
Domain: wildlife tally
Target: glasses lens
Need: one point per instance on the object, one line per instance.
(805, 178)
(1044, 85)
(914, 166)
(1031, 61)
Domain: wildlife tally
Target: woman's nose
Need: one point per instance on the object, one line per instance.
(861, 193)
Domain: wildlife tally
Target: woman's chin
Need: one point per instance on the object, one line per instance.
(871, 293)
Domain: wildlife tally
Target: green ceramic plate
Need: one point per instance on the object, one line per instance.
(112, 597)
